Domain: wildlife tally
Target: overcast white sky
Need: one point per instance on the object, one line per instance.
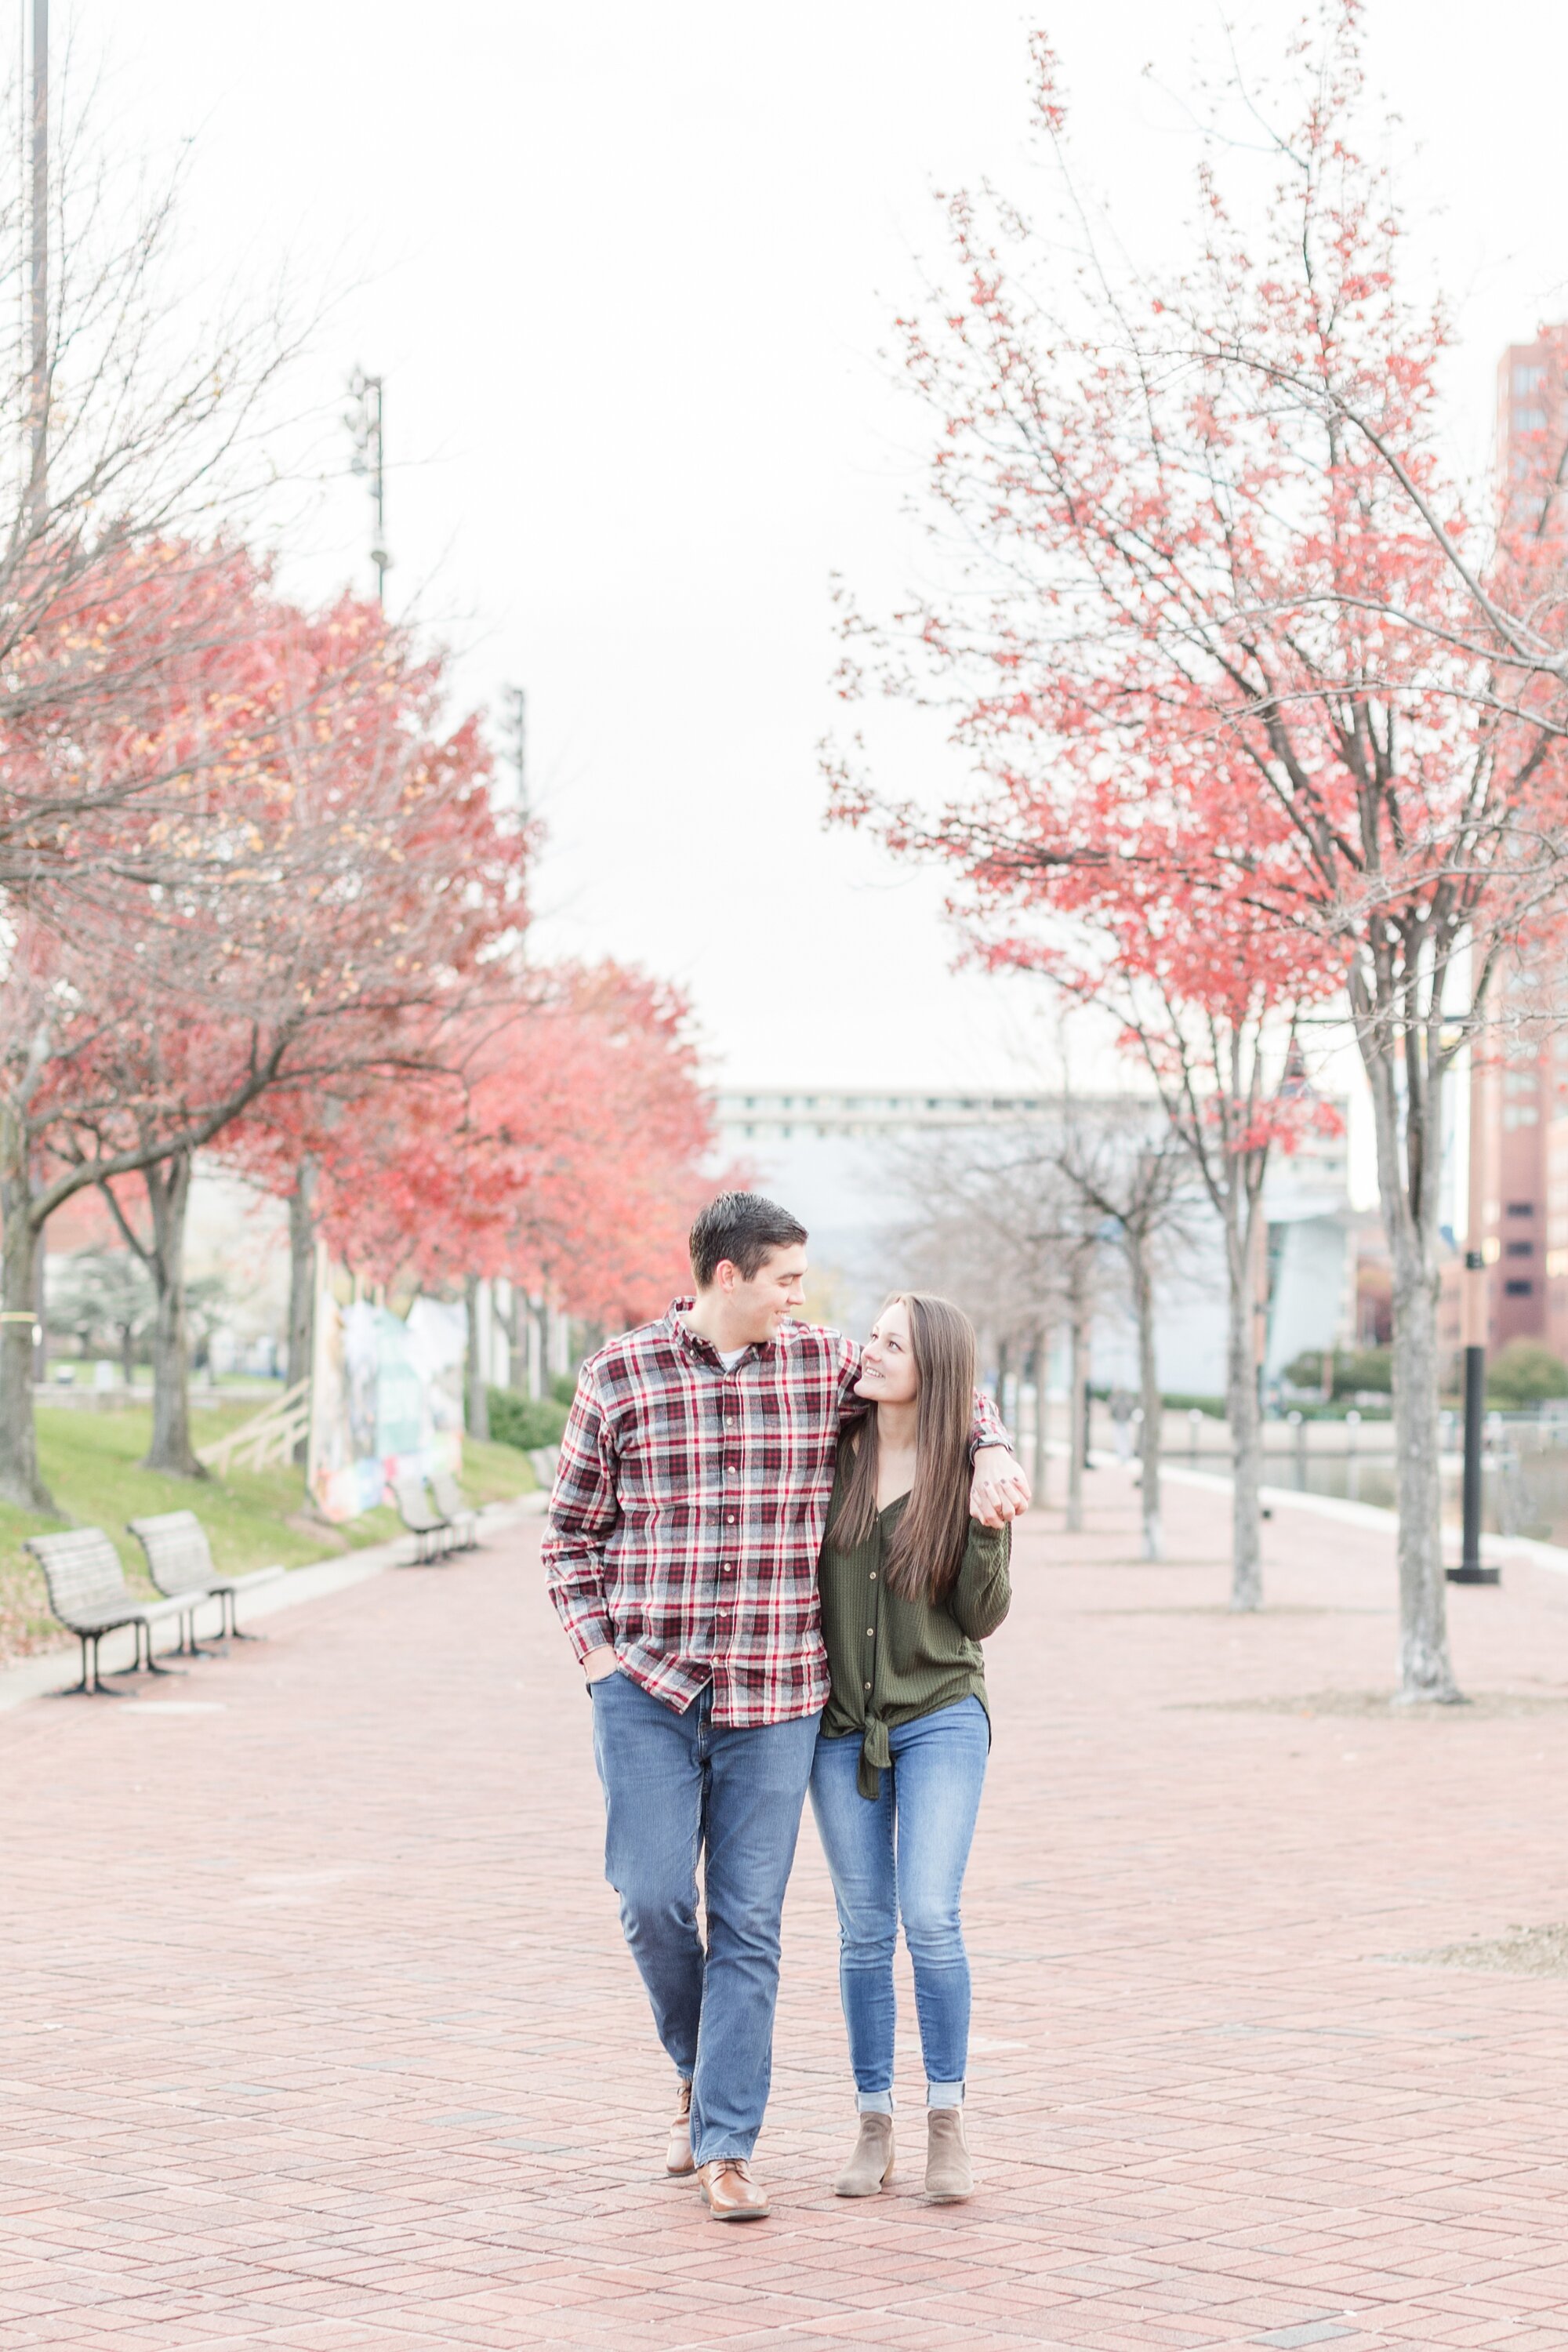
(627, 270)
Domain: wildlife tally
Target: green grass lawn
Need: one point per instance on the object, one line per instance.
(253, 1518)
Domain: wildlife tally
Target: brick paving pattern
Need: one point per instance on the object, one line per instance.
(319, 2032)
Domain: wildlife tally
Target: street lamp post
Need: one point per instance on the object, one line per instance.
(515, 699)
(364, 421)
(38, 272)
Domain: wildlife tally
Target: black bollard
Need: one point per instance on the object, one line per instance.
(1471, 1570)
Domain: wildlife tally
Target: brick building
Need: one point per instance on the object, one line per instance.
(1532, 427)
(1519, 1090)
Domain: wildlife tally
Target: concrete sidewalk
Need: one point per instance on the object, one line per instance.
(56, 1670)
(319, 2032)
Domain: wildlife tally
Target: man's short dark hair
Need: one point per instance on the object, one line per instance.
(744, 1228)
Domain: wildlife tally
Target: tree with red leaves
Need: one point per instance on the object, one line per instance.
(560, 1147)
(1219, 619)
(344, 879)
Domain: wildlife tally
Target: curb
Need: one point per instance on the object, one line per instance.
(1498, 1548)
(56, 1670)
(1366, 1515)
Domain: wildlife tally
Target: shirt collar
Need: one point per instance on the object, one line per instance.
(696, 1345)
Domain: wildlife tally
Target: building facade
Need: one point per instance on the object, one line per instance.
(1517, 1079)
(837, 1157)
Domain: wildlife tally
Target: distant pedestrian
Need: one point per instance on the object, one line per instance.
(684, 1530)
(1124, 1425)
(911, 1587)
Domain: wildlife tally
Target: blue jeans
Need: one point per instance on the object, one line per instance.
(904, 1856)
(677, 1785)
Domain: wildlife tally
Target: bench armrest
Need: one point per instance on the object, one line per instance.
(155, 1612)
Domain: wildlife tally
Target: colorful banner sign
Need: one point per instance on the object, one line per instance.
(386, 1399)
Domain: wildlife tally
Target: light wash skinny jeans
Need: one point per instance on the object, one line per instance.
(903, 1856)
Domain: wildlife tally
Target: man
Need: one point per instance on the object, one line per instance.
(688, 1513)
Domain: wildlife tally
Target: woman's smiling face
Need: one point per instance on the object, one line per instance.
(888, 1373)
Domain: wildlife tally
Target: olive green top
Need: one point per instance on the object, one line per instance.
(894, 1659)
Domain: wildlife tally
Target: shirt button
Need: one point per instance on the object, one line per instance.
(728, 1570)
(870, 1631)
(873, 1576)
(867, 1686)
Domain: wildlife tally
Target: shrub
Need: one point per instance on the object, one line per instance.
(1367, 1368)
(526, 1421)
(1525, 1372)
(564, 1387)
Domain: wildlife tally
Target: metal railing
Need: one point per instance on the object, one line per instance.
(270, 1435)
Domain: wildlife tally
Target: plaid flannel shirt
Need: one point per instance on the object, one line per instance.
(689, 1509)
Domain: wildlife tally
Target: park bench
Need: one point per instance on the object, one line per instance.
(431, 1530)
(180, 1562)
(88, 1594)
(463, 1520)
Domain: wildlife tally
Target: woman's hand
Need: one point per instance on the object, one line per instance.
(1000, 1491)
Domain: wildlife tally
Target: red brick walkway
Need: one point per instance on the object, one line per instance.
(318, 2030)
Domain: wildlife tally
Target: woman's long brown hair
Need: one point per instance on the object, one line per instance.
(927, 1547)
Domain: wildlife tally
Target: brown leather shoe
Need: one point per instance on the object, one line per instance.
(678, 2157)
(729, 2191)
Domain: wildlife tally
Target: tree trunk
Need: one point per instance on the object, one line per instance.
(1407, 1173)
(168, 1184)
(1076, 1430)
(302, 1282)
(509, 1321)
(1241, 1406)
(40, 1307)
(20, 1481)
(1042, 1359)
(1424, 1671)
(128, 1354)
(1149, 1397)
(479, 1392)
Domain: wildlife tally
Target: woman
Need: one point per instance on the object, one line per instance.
(911, 1587)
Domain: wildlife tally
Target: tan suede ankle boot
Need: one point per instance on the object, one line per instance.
(870, 2165)
(949, 2178)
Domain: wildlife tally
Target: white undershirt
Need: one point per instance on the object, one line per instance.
(730, 1357)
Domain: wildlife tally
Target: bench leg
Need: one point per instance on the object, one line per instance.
(147, 1663)
(231, 1632)
(189, 1646)
(92, 1685)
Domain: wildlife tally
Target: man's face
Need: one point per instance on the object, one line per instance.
(755, 1309)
